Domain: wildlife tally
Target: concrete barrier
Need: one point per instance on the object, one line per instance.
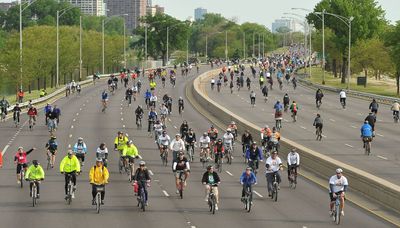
(373, 187)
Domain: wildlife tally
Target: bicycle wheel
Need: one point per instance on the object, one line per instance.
(69, 195)
(213, 204)
(143, 200)
(337, 215)
(249, 202)
(34, 195)
(120, 165)
(181, 188)
(48, 162)
(98, 202)
(275, 191)
(166, 158)
(220, 165)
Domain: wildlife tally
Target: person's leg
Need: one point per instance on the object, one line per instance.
(66, 183)
(30, 188)
(93, 191)
(216, 193)
(103, 193)
(38, 188)
(269, 182)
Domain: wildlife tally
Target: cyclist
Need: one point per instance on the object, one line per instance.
(278, 110)
(211, 180)
(212, 83)
(318, 97)
(177, 145)
(35, 172)
(252, 98)
(181, 104)
(102, 153)
(163, 113)
(395, 108)
(190, 140)
(247, 179)
(129, 153)
(70, 167)
(32, 113)
(213, 134)
(4, 105)
(286, 101)
(158, 129)
(57, 114)
(47, 110)
(366, 132)
(169, 105)
(228, 140)
(78, 88)
(274, 140)
(181, 164)
(248, 82)
(219, 150)
(265, 91)
(21, 161)
(152, 117)
(142, 178)
(265, 135)
(254, 156)
(128, 95)
(135, 91)
(338, 185)
(293, 162)
(371, 118)
(184, 128)
(233, 127)
(153, 100)
(147, 96)
(17, 110)
(163, 141)
(80, 150)
(374, 106)
(98, 176)
(205, 145)
(52, 147)
(120, 142)
(104, 100)
(294, 108)
(342, 96)
(318, 123)
(139, 113)
(247, 139)
(273, 165)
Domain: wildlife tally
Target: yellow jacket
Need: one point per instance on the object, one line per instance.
(98, 175)
(121, 142)
(130, 151)
(68, 165)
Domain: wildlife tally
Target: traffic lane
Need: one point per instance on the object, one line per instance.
(302, 133)
(120, 203)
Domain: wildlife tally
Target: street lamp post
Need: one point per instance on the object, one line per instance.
(168, 38)
(226, 46)
(22, 9)
(80, 48)
(244, 45)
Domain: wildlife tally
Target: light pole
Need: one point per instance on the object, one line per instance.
(168, 38)
(80, 48)
(244, 45)
(226, 46)
(22, 9)
(59, 14)
(104, 22)
(346, 21)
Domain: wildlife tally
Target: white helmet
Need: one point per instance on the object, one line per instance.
(339, 170)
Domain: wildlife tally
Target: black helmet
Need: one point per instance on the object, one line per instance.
(35, 162)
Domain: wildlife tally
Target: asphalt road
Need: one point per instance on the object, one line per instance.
(341, 131)
(306, 206)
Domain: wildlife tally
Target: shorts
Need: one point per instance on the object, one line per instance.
(178, 173)
(52, 152)
(131, 160)
(318, 125)
(80, 156)
(331, 195)
(20, 166)
(367, 139)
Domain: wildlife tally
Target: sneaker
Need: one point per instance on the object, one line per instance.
(279, 187)
(269, 194)
(177, 191)
(330, 213)
(18, 182)
(38, 197)
(342, 213)
(93, 202)
(83, 163)
(102, 202)
(242, 199)
(66, 197)
(147, 204)
(216, 207)
(73, 196)
(206, 199)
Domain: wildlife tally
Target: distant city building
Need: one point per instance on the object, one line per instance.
(279, 23)
(153, 10)
(134, 8)
(5, 6)
(90, 7)
(199, 13)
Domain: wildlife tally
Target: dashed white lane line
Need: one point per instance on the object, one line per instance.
(121, 108)
(122, 119)
(165, 193)
(323, 136)
(151, 173)
(123, 126)
(332, 120)
(303, 127)
(349, 145)
(80, 109)
(122, 113)
(70, 135)
(74, 120)
(175, 127)
(379, 135)
(384, 158)
(229, 173)
(353, 126)
(192, 226)
(77, 114)
(72, 126)
(258, 194)
(140, 157)
(84, 105)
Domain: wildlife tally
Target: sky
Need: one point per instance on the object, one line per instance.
(259, 11)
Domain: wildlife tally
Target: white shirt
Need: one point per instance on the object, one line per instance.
(212, 81)
(228, 138)
(101, 153)
(268, 75)
(293, 158)
(204, 141)
(342, 94)
(164, 111)
(164, 140)
(177, 145)
(134, 88)
(153, 98)
(158, 128)
(273, 164)
(338, 184)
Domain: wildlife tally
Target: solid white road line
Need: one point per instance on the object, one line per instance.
(349, 145)
(140, 157)
(5, 149)
(332, 120)
(229, 173)
(303, 127)
(379, 135)
(165, 193)
(258, 194)
(384, 158)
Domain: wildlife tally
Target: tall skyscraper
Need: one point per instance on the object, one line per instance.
(279, 23)
(199, 13)
(134, 8)
(90, 7)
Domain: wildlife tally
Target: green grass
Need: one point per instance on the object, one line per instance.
(28, 96)
(384, 88)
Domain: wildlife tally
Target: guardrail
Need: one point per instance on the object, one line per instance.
(376, 188)
(363, 95)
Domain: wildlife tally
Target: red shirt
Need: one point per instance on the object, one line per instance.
(21, 94)
(32, 112)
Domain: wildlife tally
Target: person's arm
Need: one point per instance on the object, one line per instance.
(106, 175)
(62, 164)
(298, 159)
(241, 178)
(30, 151)
(188, 165)
(174, 166)
(41, 173)
(77, 164)
(204, 178)
(216, 178)
(288, 159)
(28, 172)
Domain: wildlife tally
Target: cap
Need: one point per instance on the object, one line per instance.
(80, 139)
(20, 148)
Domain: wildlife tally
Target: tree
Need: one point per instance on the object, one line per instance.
(393, 42)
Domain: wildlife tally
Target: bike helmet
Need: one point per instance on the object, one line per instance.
(293, 150)
(339, 170)
(142, 163)
(20, 148)
(35, 162)
(366, 122)
(254, 143)
(102, 145)
(205, 134)
(70, 152)
(99, 160)
(249, 168)
(80, 139)
(164, 132)
(219, 140)
(53, 137)
(233, 123)
(120, 133)
(178, 135)
(130, 142)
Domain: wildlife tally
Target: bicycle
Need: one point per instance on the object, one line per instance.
(212, 200)
(228, 155)
(31, 122)
(180, 109)
(203, 157)
(278, 124)
(318, 132)
(142, 198)
(49, 165)
(367, 145)
(164, 155)
(139, 122)
(343, 103)
(275, 188)
(336, 215)
(396, 117)
(181, 182)
(294, 116)
(253, 164)
(219, 162)
(122, 164)
(70, 189)
(99, 190)
(22, 175)
(104, 106)
(292, 177)
(248, 197)
(190, 151)
(34, 194)
(318, 104)
(51, 126)
(16, 118)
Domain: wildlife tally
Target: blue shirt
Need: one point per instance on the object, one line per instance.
(152, 115)
(104, 95)
(47, 109)
(248, 180)
(254, 156)
(147, 94)
(366, 130)
(278, 107)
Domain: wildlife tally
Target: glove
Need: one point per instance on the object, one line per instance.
(62, 173)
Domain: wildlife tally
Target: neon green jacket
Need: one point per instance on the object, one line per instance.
(68, 165)
(34, 173)
(130, 151)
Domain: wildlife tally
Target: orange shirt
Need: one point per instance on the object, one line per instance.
(21, 94)
(1, 159)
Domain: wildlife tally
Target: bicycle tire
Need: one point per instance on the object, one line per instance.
(213, 204)
(337, 216)
(219, 165)
(275, 191)
(142, 201)
(249, 202)
(34, 195)
(69, 196)
(98, 202)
